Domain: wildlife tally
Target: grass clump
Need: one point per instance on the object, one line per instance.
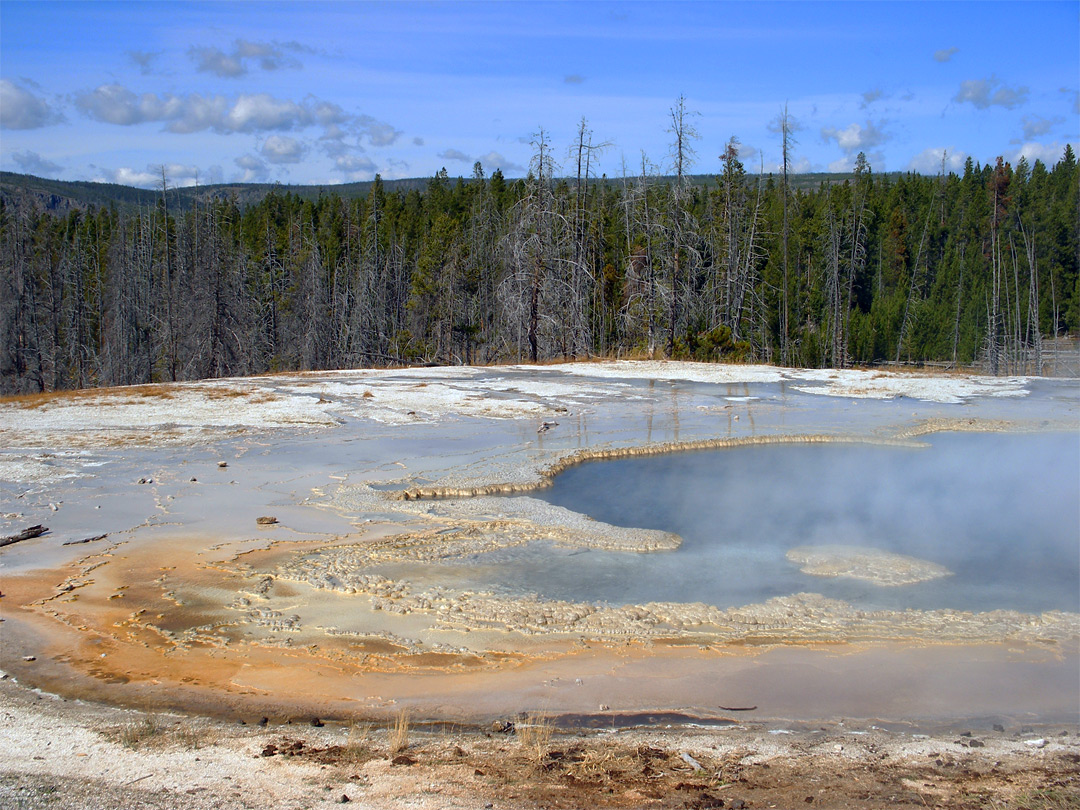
(399, 733)
(535, 736)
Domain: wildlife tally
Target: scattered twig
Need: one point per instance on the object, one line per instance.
(133, 781)
(93, 539)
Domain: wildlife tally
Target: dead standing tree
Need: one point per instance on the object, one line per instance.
(682, 156)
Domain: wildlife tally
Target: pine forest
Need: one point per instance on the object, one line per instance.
(978, 269)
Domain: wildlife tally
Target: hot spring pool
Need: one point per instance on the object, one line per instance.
(1000, 512)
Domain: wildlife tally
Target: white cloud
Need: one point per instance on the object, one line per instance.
(176, 176)
(254, 170)
(454, 154)
(355, 167)
(21, 109)
(494, 160)
(211, 59)
(855, 138)
(928, 161)
(247, 112)
(379, 133)
(283, 149)
(990, 92)
(327, 113)
(33, 163)
(1048, 153)
(945, 54)
(271, 57)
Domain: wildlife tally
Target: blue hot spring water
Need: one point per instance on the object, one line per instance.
(1001, 511)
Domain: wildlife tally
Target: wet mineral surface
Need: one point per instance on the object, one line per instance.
(381, 581)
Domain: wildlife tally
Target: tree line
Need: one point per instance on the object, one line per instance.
(977, 268)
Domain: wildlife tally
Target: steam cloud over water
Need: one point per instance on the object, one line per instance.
(999, 511)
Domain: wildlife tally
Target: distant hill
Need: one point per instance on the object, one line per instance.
(19, 191)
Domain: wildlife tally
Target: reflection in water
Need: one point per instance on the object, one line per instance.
(999, 511)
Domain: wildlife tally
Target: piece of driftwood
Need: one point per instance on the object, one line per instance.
(25, 534)
(738, 708)
(93, 539)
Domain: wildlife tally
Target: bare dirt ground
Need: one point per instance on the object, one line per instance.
(57, 753)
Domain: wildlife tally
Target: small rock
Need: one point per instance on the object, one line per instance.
(194, 480)
(223, 464)
(315, 721)
(403, 759)
(1037, 743)
(503, 727)
(604, 707)
(266, 520)
(29, 658)
(737, 804)
(998, 727)
(264, 722)
(344, 799)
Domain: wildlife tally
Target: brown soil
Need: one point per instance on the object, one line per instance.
(60, 754)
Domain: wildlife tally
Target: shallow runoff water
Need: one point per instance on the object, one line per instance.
(1000, 511)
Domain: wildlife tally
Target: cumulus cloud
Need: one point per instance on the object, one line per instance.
(355, 167)
(269, 56)
(252, 169)
(176, 175)
(945, 54)
(418, 141)
(144, 59)
(494, 160)
(283, 149)
(21, 109)
(33, 163)
(248, 112)
(990, 92)
(454, 154)
(928, 161)
(379, 133)
(1048, 153)
(856, 138)
(574, 78)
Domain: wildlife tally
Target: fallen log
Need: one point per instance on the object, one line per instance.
(25, 534)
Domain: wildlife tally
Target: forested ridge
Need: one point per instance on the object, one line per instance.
(976, 268)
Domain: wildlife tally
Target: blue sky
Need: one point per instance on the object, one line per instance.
(334, 92)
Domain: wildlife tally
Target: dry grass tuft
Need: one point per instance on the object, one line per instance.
(535, 736)
(399, 733)
(356, 748)
(136, 733)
